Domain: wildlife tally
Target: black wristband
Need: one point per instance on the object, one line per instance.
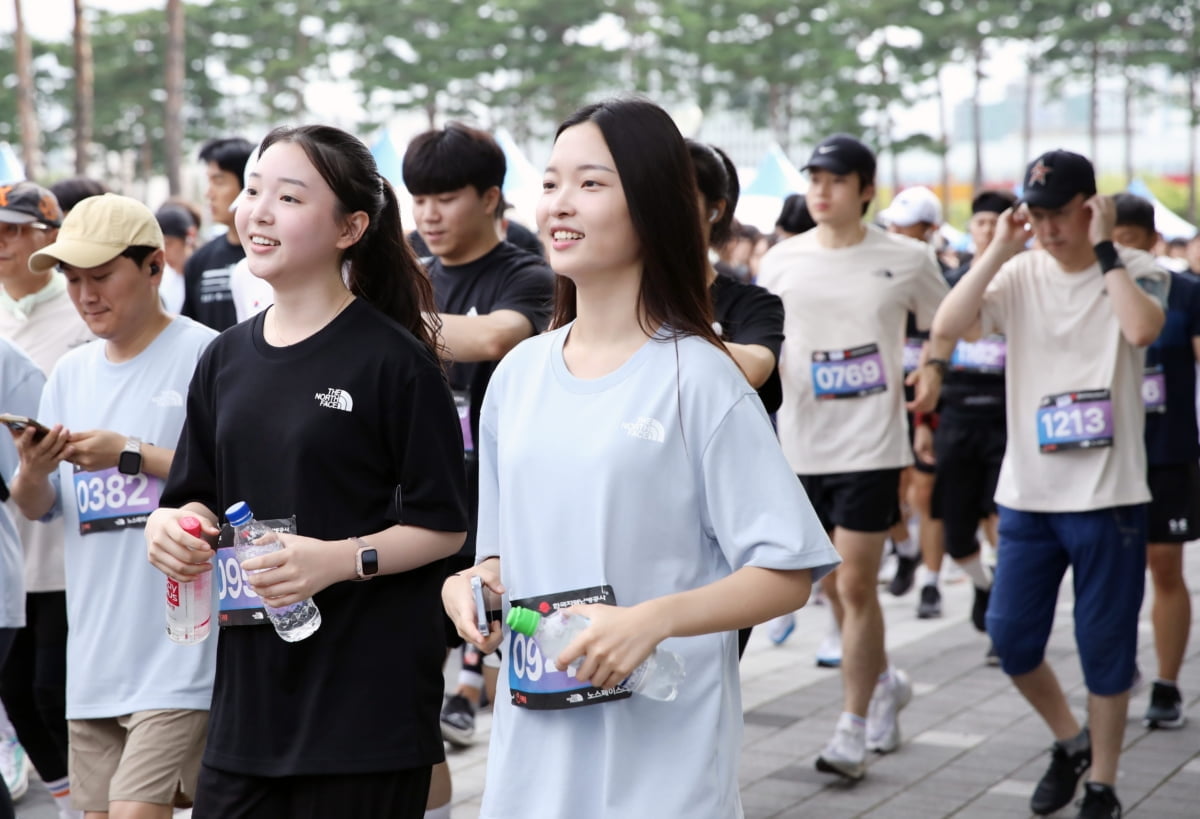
(1106, 254)
(940, 363)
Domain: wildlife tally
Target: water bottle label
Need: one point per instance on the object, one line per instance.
(237, 602)
(109, 500)
(533, 679)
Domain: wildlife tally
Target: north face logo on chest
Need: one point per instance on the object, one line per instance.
(334, 398)
(648, 429)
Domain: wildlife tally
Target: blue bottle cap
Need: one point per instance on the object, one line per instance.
(238, 514)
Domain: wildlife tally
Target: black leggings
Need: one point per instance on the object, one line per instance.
(33, 684)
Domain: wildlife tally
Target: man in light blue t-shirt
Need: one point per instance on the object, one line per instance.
(137, 704)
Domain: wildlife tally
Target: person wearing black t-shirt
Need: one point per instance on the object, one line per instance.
(491, 295)
(207, 297)
(749, 319)
(332, 407)
(1172, 453)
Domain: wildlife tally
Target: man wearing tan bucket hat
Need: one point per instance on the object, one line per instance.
(137, 704)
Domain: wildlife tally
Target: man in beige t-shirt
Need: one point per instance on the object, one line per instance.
(1077, 315)
(847, 290)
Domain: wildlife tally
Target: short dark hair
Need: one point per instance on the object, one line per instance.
(70, 192)
(440, 161)
(230, 154)
(139, 253)
(717, 181)
(992, 201)
(794, 217)
(1134, 211)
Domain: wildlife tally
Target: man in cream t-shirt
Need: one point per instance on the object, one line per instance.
(1077, 315)
(847, 290)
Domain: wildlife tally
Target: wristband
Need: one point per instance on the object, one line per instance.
(940, 363)
(1106, 254)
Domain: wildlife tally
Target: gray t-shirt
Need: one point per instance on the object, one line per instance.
(662, 476)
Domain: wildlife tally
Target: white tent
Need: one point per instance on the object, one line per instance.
(11, 169)
(774, 180)
(1169, 224)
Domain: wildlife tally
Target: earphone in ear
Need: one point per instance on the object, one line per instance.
(713, 214)
(155, 270)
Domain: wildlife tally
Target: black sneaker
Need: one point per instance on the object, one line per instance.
(906, 570)
(1058, 784)
(1099, 802)
(1166, 707)
(931, 603)
(458, 721)
(979, 609)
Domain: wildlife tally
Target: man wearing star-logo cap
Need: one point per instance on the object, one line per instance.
(1077, 314)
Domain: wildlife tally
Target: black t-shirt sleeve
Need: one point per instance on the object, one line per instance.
(756, 318)
(193, 475)
(529, 290)
(431, 485)
(1192, 307)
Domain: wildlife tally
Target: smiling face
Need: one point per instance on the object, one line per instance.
(458, 226)
(291, 222)
(17, 244)
(582, 215)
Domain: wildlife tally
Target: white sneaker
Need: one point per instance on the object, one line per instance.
(887, 568)
(829, 652)
(781, 627)
(846, 753)
(883, 725)
(14, 767)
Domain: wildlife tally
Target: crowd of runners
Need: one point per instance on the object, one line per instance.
(640, 412)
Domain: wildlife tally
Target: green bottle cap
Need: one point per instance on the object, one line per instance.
(523, 621)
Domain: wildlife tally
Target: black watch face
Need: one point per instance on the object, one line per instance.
(370, 562)
(130, 463)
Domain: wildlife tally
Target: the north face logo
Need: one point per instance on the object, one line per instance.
(335, 399)
(647, 429)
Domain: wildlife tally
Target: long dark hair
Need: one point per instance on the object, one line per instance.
(382, 268)
(660, 191)
(717, 181)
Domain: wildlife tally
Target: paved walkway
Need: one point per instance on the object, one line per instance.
(973, 746)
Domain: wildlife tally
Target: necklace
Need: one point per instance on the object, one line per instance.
(285, 343)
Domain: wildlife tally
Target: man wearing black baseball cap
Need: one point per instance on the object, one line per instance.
(847, 290)
(1077, 314)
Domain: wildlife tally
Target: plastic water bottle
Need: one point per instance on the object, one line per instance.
(189, 605)
(252, 539)
(658, 677)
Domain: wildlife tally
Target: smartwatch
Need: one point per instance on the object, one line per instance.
(366, 560)
(130, 460)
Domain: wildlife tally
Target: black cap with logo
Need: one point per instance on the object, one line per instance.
(843, 154)
(1054, 178)
(25, 203)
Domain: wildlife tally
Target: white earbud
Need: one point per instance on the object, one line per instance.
(712, 215)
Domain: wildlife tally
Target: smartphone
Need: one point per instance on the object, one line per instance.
(17, 423)
(481, 615)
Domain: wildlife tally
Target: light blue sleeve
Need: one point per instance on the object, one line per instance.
(754, 506)
(22, 384)
(487, 527)
(49, 414)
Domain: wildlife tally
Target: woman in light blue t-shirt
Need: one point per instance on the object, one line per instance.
(628, 473)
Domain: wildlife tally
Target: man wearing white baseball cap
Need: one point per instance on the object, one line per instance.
(137, 704)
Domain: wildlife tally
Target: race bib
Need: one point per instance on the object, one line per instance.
(237, 602)
(108, 500)
(848, 373)
(986, 356)
(912, 353)
(533, 680)
(1075, 420)
(1154, 389)
(462, 403)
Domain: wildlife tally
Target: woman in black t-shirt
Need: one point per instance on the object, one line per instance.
(330, 406)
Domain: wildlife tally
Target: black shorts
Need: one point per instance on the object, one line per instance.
(1175, 506)
(969, 453)
(859, 501)
(225, 795)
